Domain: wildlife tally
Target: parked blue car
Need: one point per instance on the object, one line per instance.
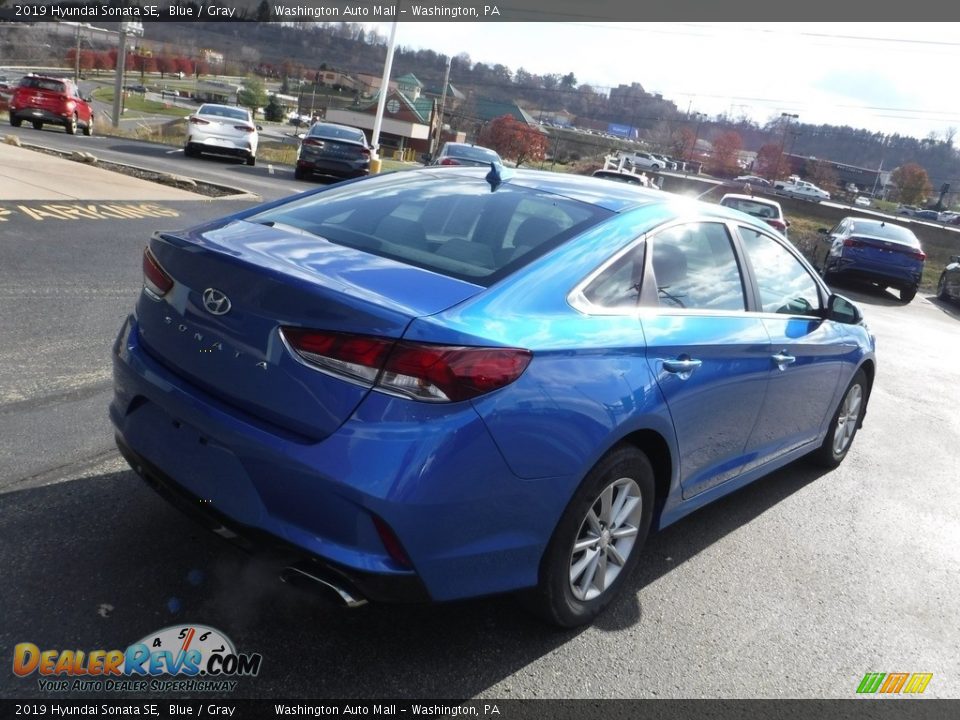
(447, 382)
(877, 251)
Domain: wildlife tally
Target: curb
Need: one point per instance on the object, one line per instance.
(234, 192)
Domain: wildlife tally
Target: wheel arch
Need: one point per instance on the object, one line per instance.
(652, 444)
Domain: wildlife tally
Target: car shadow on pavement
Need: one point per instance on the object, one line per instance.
(948, 308)
(102, 562)
(866, 293)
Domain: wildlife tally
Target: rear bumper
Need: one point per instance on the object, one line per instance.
(367, 585)
(337, 168)
(858, 269)
(469, 526)
(45, 116)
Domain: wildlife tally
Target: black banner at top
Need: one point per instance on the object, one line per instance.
(469, 11)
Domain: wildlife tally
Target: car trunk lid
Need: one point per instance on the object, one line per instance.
(275, 277)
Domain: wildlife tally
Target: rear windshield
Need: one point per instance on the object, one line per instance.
(470, 152)
(454, 226)
(337, 132)
(886, 231)
(224, 111)
(751, 207)
(35, 83)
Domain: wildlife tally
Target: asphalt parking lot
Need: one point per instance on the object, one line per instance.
(795, 586)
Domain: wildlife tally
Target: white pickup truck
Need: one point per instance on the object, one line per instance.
(797, 188)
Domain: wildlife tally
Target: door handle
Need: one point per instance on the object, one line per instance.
(682, 366)
(782, 360)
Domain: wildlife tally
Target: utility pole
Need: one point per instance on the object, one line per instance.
(443, 102)
(118, 82)
(783, 142)
(76, 59)
(382, 102)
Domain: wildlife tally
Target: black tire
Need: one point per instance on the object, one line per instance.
(299, 174)
(88, 128)
(71, 126)
(942, 287)
(251, 160)
(907, 294)
(623, 470)
(15, 121)
(840, 435)
(189, 150)
(37, 125)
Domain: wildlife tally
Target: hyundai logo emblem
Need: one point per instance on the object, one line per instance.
(216, 302)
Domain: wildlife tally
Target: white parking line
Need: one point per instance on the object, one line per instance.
(171, 152)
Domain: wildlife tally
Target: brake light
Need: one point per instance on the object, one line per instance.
(853, 243)
(312, 141)
(155, 279)
(420, 371)
(365, 152)
(449, 161)
(199, 121)
(778, 224)
(245, 128)
(918, 255)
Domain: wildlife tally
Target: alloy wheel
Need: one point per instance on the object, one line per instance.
(847, 419)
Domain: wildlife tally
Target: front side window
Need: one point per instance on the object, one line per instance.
(784, 283)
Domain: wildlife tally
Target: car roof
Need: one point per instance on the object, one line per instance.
(753, 198)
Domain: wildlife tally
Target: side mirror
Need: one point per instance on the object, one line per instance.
(260, 128)
(786, 222)
(823, 231)
(954, 259)
(842, 310)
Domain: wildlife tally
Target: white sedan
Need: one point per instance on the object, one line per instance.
(222, 130)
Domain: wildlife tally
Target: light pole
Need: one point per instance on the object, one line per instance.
(696, 136)
(783, 142)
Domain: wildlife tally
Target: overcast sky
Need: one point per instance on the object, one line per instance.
(886, 77)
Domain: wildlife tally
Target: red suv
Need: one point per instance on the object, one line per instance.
(47, 100)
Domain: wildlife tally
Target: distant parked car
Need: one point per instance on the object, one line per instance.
(668, 164)
(453, 153)
(877, 251)
(332, 149)
(222, 130)
(948, 287)
(908, 210)
(760, 207)
(624, 176)
(862, 201)
(644, 160)
(755, 180)
(43, 100)
(927, 215)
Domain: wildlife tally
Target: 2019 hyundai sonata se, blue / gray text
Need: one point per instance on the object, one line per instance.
(451, 382)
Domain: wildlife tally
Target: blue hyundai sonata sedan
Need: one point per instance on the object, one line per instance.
(448, 382)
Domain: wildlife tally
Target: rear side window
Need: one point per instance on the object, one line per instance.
(454, 226)
(695, 268)
(336, 132)
(751, 207)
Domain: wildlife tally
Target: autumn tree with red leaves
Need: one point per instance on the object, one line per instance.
(514, 140)
(912, 182)
(771, 163)
(723, 159)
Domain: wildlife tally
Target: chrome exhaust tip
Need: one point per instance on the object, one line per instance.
(308, 578)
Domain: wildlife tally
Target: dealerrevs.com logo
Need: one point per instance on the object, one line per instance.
(201, 658)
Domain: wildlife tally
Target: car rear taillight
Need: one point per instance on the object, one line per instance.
(312, 141)
(155, 279)
(431, 373)
(449, 161)
(778, 224)
(853, 243)
(199, 121)
(245, 128)
(365, 152)
(918, 255)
